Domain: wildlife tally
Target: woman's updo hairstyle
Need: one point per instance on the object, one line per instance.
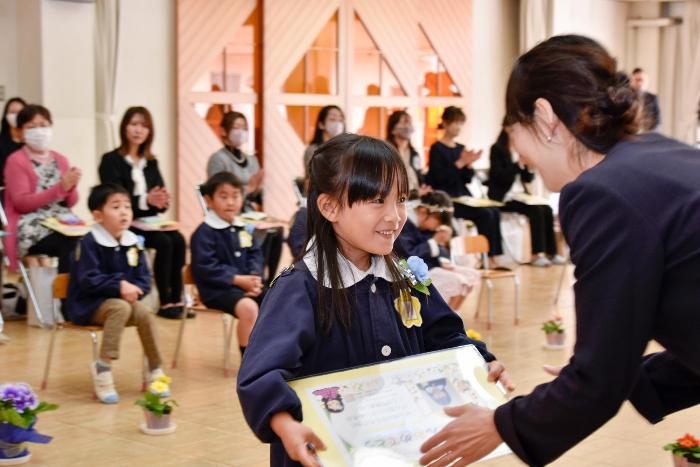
(580, 80)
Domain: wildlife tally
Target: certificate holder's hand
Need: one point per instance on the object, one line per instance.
(466, 439)
(300, 442)
(497, 372)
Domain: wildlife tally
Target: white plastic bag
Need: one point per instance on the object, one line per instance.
(41, 279)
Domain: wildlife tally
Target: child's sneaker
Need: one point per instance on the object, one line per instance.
(155, 375)
(104, 385)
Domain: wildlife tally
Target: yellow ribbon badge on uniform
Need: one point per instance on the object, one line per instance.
(408, 307)
(245, 239)
(132, 256)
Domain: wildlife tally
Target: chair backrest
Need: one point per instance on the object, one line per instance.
(60, 286)
(187, 278)
(476, 244)
(200, 199)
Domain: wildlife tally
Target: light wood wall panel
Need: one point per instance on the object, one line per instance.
(393, 24)
(291, 26)
(203, 29)
(447, 25)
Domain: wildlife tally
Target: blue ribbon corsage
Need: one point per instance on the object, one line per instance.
(415, 271)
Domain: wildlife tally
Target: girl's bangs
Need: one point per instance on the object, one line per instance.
(370, 170)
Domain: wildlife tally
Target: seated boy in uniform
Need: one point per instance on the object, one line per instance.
(227, 263)
(109, 277)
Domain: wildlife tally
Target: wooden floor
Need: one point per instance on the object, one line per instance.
(211, 430)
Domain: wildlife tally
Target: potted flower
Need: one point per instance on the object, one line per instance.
(685, 450)
(554, 332)
(157, 410)
(19, 408)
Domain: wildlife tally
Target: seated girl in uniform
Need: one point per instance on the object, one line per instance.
(227, 263)
(335, 309)
(429, 238)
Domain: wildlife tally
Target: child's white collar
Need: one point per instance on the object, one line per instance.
(215, 222)
(349, 273)
(104, 238)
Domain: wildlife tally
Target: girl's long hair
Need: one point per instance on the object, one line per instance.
(351, 169)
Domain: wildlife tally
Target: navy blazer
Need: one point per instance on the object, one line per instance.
(416, 242)
(633, 225)
(287, 342)
(97, 269)
(217, 257)
(297, 233)
(442, 172)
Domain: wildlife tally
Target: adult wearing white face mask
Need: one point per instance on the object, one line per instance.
(329, 123)
(399, 129)
(10, 135)
(40, 184)
(232, 158)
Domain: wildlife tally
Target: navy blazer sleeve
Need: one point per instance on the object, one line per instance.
(206, 267)
(254, 259)
(284, 330)
(619, 260)
(443, 328)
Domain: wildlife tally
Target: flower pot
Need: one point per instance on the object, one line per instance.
(555, 339)
(679, 461)
(13, 443)
(156, 425)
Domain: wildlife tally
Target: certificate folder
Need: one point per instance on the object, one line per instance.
(381, 414)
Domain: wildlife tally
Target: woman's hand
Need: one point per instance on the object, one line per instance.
(70, 179)
(297, 439)
(553, 370)
(158, 197)
(466, 439)
(468, 157)
(497, 372)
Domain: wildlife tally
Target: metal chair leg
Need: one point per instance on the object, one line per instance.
(183, 319)
(489, 316)
(561, 282)
(228, 337)
(478, 302)
(145, 374)
(516, 305)
(49, 357)
(95, 353)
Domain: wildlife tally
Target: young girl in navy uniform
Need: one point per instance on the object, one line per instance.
(339, 307)
(227, 263)
(109, 277)
(427, 234)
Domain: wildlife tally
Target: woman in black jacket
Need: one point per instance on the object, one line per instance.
(507, 175)
(133, 166)
(630, 211)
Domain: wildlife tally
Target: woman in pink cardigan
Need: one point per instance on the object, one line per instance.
(38, 184)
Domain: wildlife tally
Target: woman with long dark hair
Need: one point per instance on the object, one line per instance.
(329, 123)
(133, 166)
(630, 211)
(399, 129)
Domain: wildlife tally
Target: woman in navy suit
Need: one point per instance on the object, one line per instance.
(630, 211)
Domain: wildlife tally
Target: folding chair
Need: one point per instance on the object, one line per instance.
(480, 245)
(228, 322)
(60, 292)
(22, 269)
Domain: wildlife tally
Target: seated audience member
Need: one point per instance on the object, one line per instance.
(10, 134)
(226, 261)
(109, 277)
(330, 122)
(507, 178)
(428, 237)
(39, 184)
(450, 170)
(133, 166)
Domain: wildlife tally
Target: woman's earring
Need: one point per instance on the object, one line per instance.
(549, 138)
